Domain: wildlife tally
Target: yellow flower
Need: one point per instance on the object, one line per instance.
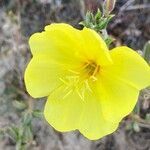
(89, 88)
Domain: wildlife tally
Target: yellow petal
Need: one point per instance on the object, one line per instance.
(119, 85)
(96, 48)
(83, 44)
(129, 67)
(54, 53)
(56, 37)
(42, 75)
(66, 111)
(117, 98)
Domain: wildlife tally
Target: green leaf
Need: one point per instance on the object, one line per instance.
(147, 118)
(19, 105)
(146, 52)
(98, 15)
(109, 40)
(27, 136)
(37, 113)
(104, 23)
(13, 133)
(88, 19)
(27, 118)
(2, 132)
(136, 127)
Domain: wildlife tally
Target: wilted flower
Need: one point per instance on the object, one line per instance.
(89, 88)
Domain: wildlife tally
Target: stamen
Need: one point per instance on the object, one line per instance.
(80, 95)
(91, 69)
(85, 65)
(63, 81)
(67, 94)
(72, 71)
(87, 86)
(93, 77)
(96, 70)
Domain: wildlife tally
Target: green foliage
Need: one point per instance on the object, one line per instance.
(99, 23)
(147, 118)
(37, 113)
(146, 52)
(20, 105)
(133, 126)
(21, 133)
(136, 126)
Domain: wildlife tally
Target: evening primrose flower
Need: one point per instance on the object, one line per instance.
(89, 88)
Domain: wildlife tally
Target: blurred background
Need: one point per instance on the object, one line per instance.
(22, 125)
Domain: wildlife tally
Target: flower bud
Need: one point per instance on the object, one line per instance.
(109, 6)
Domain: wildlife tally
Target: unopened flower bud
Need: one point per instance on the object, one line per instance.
(109, 6)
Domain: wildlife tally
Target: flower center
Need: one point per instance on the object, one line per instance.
(79, 81)
(91, 69)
